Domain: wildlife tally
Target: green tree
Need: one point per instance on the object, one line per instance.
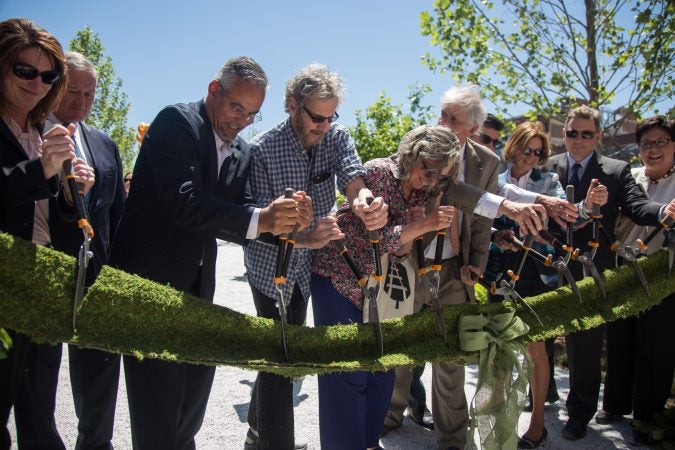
(380, 128)
(549, 54)
(109, 113)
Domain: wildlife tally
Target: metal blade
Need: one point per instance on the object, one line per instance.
(374, 317)
(281, 304)
(83, 257)
(630, 254)
(565, 271)
(430, 281)
(511, 293)
(589, 265)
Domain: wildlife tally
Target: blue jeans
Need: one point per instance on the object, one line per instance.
(352, 405)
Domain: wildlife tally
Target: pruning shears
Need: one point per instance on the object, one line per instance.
(286, 243)
(507, 288)
(85, 254)
(373, 313)
(669, 234)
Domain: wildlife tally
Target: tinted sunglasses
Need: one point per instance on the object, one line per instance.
(487, 140)
(573, 134)
(127, 180)
(28, 72)
(320, 119)
(538, 152)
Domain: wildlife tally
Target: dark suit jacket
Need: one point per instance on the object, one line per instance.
(22, 182)
(106, 201)
(173, 215)
(624, 194)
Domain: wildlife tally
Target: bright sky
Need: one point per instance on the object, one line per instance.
(167, 51)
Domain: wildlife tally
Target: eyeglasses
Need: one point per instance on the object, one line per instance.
(127, 180)
(434, 175)
(320, 119)
(538, 152)
(240, 111)
(659, 143)
(487, 140)
(586, 134)
(28, 72)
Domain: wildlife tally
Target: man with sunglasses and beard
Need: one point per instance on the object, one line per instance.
(309, 153)
(615, 189)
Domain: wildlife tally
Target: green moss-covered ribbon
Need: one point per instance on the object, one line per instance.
(127, 314)
(499, 398)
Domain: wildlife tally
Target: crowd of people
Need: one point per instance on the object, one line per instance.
(196, 180)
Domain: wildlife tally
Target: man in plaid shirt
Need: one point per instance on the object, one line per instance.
(307, 152)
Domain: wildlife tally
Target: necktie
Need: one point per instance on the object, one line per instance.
(454, 233)
(574, 179)
(222, 174)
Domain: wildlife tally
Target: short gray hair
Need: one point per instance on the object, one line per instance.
(77, 61)
(467, 98)
(238, 68)
(434, 145)
(316, 81)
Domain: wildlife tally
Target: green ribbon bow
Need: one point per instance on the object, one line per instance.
(499, 398)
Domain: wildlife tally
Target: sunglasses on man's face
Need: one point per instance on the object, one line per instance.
(586, 134)
(487, 140)
(317, 119)
(28, 72)
(538, 152)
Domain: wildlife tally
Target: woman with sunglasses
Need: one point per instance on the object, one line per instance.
(32, 79)
(352, 406)
(527, 148)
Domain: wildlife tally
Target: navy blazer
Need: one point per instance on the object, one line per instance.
(106, 201)
(173, 214)
(22, 182)
(624, 195)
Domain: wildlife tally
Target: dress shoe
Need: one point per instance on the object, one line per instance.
(387, 428)
(251, 442)
(422, 418)
(525, 442)
(603, 417)
(574, 429)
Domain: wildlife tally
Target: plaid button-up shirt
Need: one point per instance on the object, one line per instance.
(280, 162)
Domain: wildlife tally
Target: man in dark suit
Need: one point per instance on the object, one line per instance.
(94, 374)
(191, 187)
(616, 190)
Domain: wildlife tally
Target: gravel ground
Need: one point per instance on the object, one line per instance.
(225, 423)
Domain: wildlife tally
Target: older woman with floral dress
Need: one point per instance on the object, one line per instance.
(352, 406)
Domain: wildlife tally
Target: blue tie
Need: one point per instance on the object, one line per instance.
(574, 179)
(79, 154)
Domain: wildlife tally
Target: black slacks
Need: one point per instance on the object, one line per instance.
(640, 362)
(271, 409)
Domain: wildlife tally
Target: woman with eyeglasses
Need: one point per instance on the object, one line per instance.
(352, 406)
(32, 78)
(527, 148)
(640, 351)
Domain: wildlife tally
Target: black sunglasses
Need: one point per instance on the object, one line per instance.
(320, 119)
(538, 152)
(487, 140)
(586, 134)
(127, 179)
(28, 72)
